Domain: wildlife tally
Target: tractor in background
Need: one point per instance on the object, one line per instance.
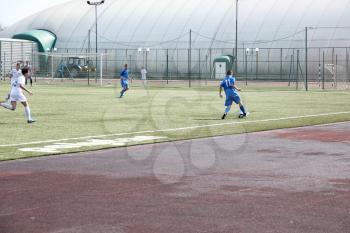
(75, 67)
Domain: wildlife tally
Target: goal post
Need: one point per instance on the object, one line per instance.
(70, 66)
(332, 70)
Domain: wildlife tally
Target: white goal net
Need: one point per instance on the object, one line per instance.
(77, 66)
(333, 72)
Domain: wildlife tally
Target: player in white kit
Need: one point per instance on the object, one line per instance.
(144, 76)
(14, 73)
(17, 88)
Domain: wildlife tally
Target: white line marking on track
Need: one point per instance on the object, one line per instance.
(175, 129)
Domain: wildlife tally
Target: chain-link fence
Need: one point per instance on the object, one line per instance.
(14, 51)
(325, 67)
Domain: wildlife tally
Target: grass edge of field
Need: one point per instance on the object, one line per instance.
(168, 140)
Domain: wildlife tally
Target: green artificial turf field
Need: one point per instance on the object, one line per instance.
(70, 114)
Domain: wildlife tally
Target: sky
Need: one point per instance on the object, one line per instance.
(12, 11)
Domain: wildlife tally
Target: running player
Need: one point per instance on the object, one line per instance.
(17, 87)
(124, 80)
(14, 73)
(228, 84)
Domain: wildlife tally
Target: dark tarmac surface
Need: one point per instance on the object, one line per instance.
(291, 180)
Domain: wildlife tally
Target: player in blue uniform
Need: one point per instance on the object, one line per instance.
(228, 84)
(124, 80)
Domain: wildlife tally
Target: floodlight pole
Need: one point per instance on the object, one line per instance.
(96, 4)
(236, 50)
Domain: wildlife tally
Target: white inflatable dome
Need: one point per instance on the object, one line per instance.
(166, 23)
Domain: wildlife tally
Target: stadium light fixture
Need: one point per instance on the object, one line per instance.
(95, 4)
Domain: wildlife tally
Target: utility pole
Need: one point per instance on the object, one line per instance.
(236, 49)
(96, 4)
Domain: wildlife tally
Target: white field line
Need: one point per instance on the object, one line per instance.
(175, 129)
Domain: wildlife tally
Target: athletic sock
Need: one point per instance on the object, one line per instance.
(6, 105)
(27, 112)
(242, 109)
(227, 109)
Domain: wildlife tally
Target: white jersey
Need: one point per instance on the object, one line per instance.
(15, 73)
(16, 90)
(15, 84)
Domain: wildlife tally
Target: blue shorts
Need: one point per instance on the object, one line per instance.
(124, 83)
(234, 97)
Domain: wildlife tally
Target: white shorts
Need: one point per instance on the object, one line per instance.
(18, 97)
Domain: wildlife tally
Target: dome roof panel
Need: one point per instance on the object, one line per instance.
(133, 23)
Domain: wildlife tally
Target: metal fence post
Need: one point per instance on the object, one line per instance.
(336, 71)
(52, 65)
(323, 70)
(4, 65)
(347, 66)
(177, 63)
(281, 67)
(33, 66)
(199, 63)
(246, 67)
(167, 66)
(106, 62)
(257, 64)
(210, 62)
(156, 61)
(268, 61)
(189, 68)
(206, 69)
(101, 69)
(306, 60)
(319, 66)
(297, 77)
(291, 68)
(130, 64)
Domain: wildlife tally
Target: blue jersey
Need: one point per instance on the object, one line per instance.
(230, 91)
(124, 74)
(228, 84)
